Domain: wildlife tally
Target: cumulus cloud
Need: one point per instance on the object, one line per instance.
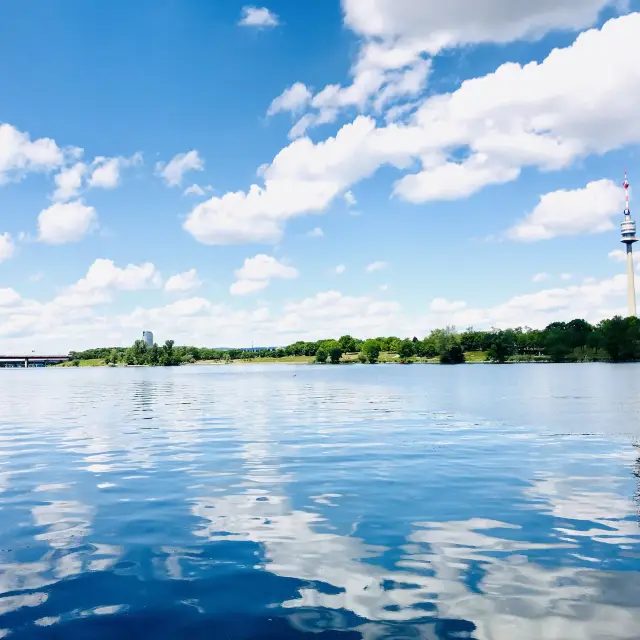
(339, 269)
(376, 266)
(186, 281)
(316, 233)
(105, 172)
(540, 277)
(571, 212)
(62, 223)
(436, 26)
(19, 154)
(103, 277)
(398, 39)
(293, 99)
(259, 17)
(544, 115)
(72, 320)
(69, 182)
(178, 166)
(256, 273)
(7, 247)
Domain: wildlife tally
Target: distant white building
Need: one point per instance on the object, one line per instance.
(147, 336)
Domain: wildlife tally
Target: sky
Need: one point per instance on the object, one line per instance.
(225, 174)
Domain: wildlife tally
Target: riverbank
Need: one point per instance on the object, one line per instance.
(386, 357)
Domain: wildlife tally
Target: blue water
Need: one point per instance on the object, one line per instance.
(282, 502)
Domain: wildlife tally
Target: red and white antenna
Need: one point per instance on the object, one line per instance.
(625, 186)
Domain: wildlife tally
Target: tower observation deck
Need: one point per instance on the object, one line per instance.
(628, 237)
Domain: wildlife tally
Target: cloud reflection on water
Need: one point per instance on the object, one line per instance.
(384, 511)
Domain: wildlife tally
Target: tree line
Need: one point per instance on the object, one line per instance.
(613, 340)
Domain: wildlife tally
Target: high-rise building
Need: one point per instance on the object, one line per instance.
(147, 336)
(628, 228)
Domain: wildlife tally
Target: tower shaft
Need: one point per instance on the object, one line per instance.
(628, 230)
(631, 285)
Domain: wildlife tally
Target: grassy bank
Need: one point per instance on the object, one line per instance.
(95, 362)
(385, 357)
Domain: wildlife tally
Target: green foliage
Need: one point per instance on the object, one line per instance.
(452, 355)
(503, 345)
(347, 344)
(370, 350)
(407, 349)
(615, 340)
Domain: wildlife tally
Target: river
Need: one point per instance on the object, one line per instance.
(279, 502)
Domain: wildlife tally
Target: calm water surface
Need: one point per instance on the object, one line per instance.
(282, 502)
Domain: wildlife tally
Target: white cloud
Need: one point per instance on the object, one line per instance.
(257, 272)
(19, 154)
(376, 266)
(194, 190)
(576, 102)
(350, 199)
(566, 276)
(103, 277)
(7, 247)
(246, 287)
(186, 281)
(619, 255)
(69, 181)
(435, 25)
(72, 320)
(565, 213)
(316, 233)
(442, 305)
(540, 277)
(293, 99)
(62, 223)
(103, 173)
(181, 163)
(398, 36)
(106, 171)
(321, 315)
(340, 269)
(258, 17)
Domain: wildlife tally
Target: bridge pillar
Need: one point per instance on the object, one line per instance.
(26, 362)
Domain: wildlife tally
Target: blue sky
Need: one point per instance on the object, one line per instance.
(443, 151)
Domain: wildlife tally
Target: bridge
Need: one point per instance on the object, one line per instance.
(31, 360)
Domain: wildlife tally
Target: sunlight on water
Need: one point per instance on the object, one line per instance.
(479, 502)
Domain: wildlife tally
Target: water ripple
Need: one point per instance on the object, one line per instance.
(352, 502)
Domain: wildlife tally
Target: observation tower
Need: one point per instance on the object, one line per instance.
(628, 228)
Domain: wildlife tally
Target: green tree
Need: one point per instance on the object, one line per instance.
(347, 344)
(407, 349)
(452, 355)
(503, 346)
(321, 355)
(335, 353)
(168, 358)
(621, 338)
(154, 355)
(129, 357)
(371, 351)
